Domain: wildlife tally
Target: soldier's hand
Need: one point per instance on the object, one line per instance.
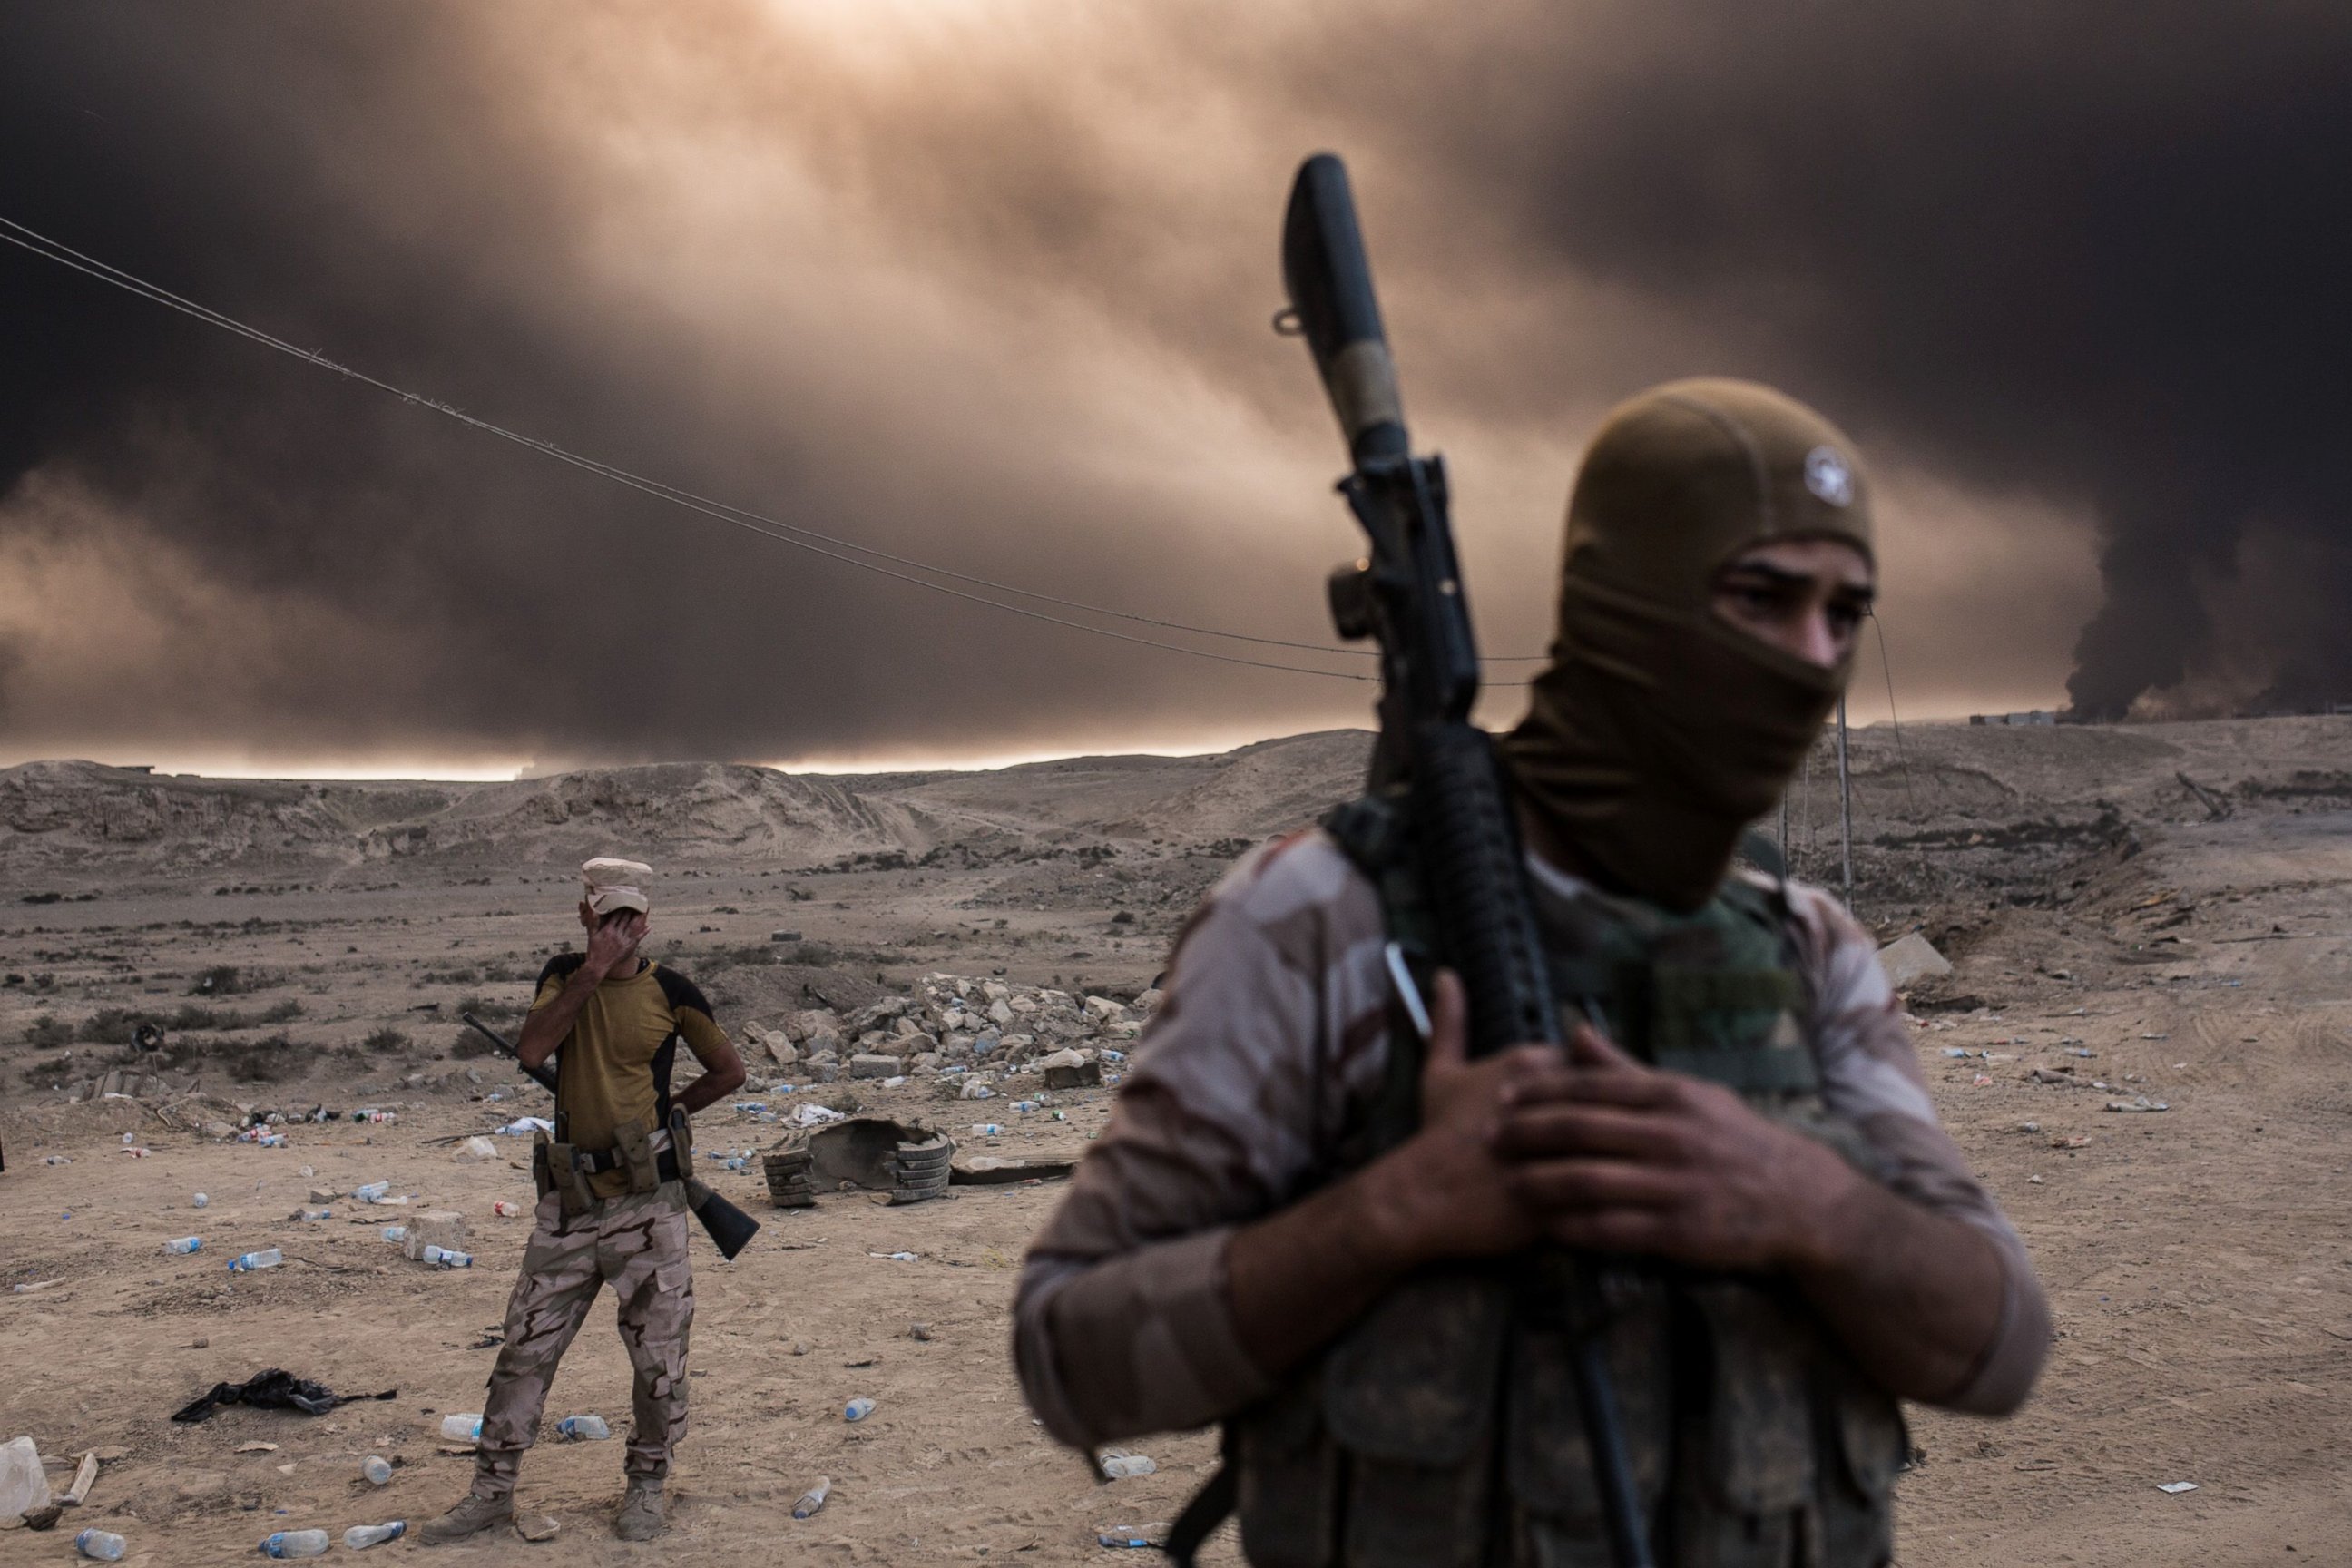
(1619, 1157)
(1447, 1191)
(612, 945)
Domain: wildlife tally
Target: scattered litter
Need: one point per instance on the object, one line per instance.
(816, 1115)
(857, 1409)
(2034, 1180)
(24, 1485)
(920, 1331)
(447, 1258)
(183, 1246)
(996, 1171)
(1118, 1463)
(32, 1284)
(257, 1448)
(360, 1537)
(57, 1159)
(2137, 1103)
(524, 1126)
(2156, 1037)
(894, 1256)
(1139, 1537)
(394, 1232)
(373, 1192)
(2077, 1141)
(466, 1428)
(246, 1262)
(295, 1544)
(85, 1477)
(2028, 1127)
(582, 1429)
(2080, 1051)
(276, 1389)
(812, 1500)
(376, 1470)
(2176, 1488)
(506, 1209)
(103, 1545)
(536, 1527)
(475, 1149)
(200, 1201)
(1982, 1081)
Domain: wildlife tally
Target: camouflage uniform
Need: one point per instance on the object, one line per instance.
(637, 1242)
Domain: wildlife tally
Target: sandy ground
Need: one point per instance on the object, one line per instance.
(2196, 1258)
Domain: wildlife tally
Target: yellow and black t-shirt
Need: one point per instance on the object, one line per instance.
(615, 1064)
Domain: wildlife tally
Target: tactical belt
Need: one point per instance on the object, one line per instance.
(595, 1163)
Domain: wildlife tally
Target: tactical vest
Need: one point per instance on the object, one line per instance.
(1443, 1428)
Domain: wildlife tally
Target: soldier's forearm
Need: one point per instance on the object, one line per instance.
(1916, 1297)
(1300, 1276)
(544, 1029)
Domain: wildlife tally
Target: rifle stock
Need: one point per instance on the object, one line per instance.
(730, 1228)
(1410, 595)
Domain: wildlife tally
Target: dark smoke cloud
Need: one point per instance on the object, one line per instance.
(995, 294)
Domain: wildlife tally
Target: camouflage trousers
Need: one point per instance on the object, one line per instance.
(637, 1243)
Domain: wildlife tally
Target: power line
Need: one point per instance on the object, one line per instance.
(1902, 755)
(794, 534)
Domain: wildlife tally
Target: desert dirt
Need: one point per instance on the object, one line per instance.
(2193, 944)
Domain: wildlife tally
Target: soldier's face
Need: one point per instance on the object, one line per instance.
(1804, 596)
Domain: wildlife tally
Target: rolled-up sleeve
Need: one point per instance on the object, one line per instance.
(1870, 1075)
(1273, 1018)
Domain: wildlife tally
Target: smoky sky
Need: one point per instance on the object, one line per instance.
(987, 284)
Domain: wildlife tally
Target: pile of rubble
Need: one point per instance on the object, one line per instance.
(953, 1023)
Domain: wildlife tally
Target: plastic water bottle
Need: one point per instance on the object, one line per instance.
(184, 1245)
(449, 1258)
(1118, 1464)
(371, 1192)
(1025, 1105)
(295, 1544)
(814, 1498)
(857, 1410)
(103, 1544)
(246, 1262)
(462, 1428)
(582, 1429)
(202, 1202)
(394, 1232)
(506, 1210)
(360, 1537)
(987, 1128)
(377, 1469)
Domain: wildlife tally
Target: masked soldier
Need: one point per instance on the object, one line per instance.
(612, 1201)
(1304, 1222)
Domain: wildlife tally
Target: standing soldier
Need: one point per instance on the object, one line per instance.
(1304, 1224)
(612, 1200)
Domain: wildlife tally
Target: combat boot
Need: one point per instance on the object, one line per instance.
(473, 1514)
(640, 1518)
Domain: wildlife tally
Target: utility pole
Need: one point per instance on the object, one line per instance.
(1846, 806)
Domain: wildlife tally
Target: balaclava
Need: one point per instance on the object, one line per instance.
(1659, 730)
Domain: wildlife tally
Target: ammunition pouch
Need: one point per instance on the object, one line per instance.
(1444, 1429)
(564, 1168)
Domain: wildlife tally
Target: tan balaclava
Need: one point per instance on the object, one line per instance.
(1660, 730)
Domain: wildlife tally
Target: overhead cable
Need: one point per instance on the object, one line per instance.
(830, 546)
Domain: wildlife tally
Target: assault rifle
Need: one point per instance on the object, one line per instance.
(1431, 760)
(730, 1229)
